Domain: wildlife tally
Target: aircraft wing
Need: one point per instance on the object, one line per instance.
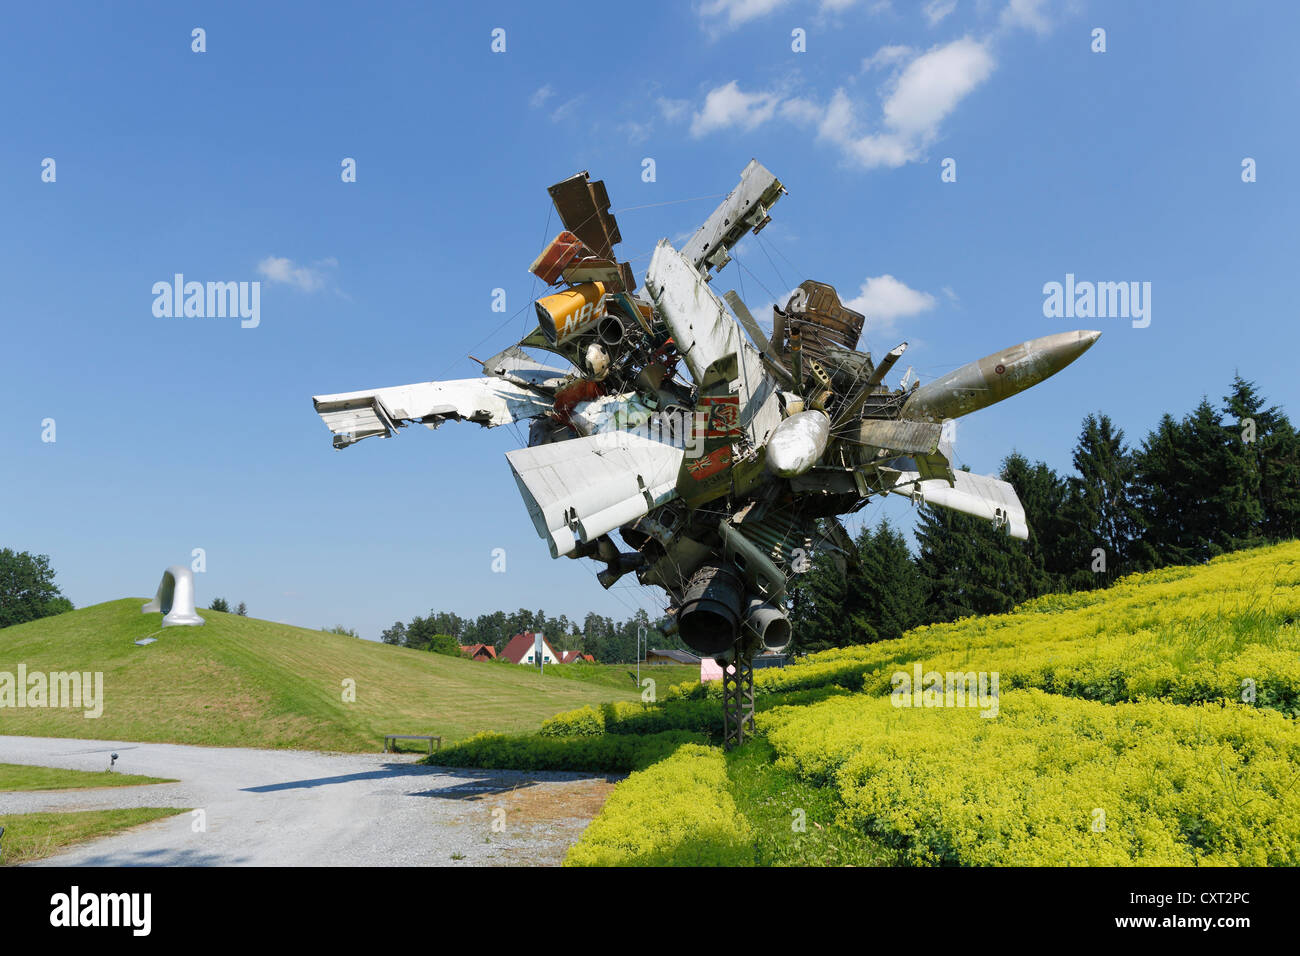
(706, 335)
(980, 495)
(516, 365)
(745, 208)
(489, 401)
(580, 489)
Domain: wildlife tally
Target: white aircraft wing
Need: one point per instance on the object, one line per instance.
(980, 495)
(579, 489)
(705, 332)
(489, 401)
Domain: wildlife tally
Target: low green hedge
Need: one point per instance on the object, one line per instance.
(607, 753)
(698, 715)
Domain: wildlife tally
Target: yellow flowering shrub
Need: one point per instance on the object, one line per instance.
(676, 813)
(1055, 780)
(586, 721)
(1226, 630)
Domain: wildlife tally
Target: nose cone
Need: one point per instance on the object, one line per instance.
(1029, 363)
(1041, 358)
(1068, 346)
(998, 376)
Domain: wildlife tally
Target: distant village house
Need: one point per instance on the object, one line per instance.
(522, 650)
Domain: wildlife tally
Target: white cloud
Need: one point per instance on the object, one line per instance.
(728, 106)
(541, 96)
(916, 99)
(802, 111)
(278, 269)
(932, 85)
(839, 125)
(936, 10)
(732, 13)
(1029, 14)
(672, 110)
(836, 123)
(884, 300)
(886, 56)
(636, 132)
(721, 15)
(567, 110)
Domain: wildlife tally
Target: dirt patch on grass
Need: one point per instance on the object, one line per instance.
(546, 803)
(540, 822)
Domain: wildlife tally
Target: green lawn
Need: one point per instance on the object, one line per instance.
(794, 822)
(623, 676)
(239, 681)
(31, 836)
(17, 776)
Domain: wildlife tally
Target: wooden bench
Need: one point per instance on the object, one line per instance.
(393, 738)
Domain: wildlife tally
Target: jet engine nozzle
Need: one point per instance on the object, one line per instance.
(618, 566)
(767, 623)
(610, 330)
(710, 615)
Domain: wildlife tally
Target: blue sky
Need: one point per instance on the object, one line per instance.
(174, 434)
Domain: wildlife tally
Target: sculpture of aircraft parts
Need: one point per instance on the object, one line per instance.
(721, 458)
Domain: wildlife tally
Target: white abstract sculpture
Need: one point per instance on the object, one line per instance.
(175, 598)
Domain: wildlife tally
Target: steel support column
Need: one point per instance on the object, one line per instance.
(738, 701)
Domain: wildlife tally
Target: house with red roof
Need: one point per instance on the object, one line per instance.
(522, 650)
(479, 652)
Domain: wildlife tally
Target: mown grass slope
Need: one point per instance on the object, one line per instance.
(244, 682)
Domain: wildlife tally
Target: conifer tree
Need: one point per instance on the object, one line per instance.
(818, 597)
(1263, 447)
(1185, 481)
(1212, 516)
(887, 596)
(1051, 552)
(967, 566)
(1158, 492)
(1100, 512)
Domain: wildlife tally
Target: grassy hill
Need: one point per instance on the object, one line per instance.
(1154, 722)
(239, 681)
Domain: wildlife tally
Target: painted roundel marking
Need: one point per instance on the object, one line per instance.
(999, 369)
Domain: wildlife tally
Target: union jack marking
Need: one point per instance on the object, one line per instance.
(715, 461)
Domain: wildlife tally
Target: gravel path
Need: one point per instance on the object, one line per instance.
(299, 808)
